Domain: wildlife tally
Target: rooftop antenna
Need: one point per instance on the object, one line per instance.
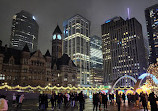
(128, 13)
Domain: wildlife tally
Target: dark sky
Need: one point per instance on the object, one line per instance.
(49, 13)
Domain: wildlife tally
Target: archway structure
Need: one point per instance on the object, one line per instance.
(117, 80)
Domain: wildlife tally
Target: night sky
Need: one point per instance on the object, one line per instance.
(49, 13)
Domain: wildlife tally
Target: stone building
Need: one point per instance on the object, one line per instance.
(20, 67)
(64, 72)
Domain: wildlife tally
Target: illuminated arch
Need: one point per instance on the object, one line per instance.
(150, 75)
(126, 76)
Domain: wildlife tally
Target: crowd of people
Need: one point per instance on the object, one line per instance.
(100, 101)
(68, 99)
(118, 99)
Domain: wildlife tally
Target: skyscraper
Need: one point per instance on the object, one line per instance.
(76, 43)
(123, 50)
(151, 15)
(96, 60)
(24, 31)
(96, 56)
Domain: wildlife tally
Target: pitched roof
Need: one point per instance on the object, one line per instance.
(57, 30)
(47, 54)
(26, 48)
(64, 60)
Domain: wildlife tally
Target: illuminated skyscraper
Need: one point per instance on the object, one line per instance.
(151, 15)
(24, 30)
(123, 50)
(96, 60)
(96, 56)
(76, 43)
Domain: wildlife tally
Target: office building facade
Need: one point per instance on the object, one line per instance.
(151, 15)
(123, 50)
(96, 60)
(76, 43)
(24, 31)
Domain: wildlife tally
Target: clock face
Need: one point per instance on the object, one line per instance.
(59, 36)
(54, 36)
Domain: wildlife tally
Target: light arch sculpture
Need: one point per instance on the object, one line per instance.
(141, 77)
(126, 76)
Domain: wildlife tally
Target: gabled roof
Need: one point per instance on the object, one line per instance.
(26, 48)
(64, 60)
(57, 30)
(47, 54)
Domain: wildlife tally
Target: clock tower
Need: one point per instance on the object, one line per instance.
(56, 44)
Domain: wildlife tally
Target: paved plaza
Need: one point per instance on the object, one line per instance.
(32, 105)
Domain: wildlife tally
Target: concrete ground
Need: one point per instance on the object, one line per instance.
(32, 105)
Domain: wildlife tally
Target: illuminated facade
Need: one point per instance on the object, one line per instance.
(21, 67)
(123, 50)
(24, 30)
(151, 15)
(96, 60)
(76, 43)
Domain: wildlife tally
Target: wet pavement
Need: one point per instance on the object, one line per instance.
(32, 105)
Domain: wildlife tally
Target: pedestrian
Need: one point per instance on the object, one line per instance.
(3, 103)
(59, 99)
(95, 101)
(42, 102)
(123, 97)
(21, 98)
(52, 99)
(144, 102)
(46, 101)
(14, 100)
(65, 100)
(39, 101)
(152, 100)
(81, 100)
(100, 100)
(118, 100)
(72, 96)
(104, 100)
(137, 99)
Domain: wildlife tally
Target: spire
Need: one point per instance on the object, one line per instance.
(57, 30)
(48, 54)
(26, 48)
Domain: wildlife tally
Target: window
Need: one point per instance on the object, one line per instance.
(2, 77)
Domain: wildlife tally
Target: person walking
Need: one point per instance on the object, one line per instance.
(95, 101)
(81, 100)
(21, 98)
(100, 100)
(3, 103)
(104, 100)
(144, 102)
(118, 100)
(72, 97)
(59, 100)
(14, 100)
(52, 99)
(152, 100)
(123, 97)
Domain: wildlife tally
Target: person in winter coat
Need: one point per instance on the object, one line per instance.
(100, 100)
(3, 103)
(95, 101)
(59, 100)
(21, 98)
(152, 100)
(52, 100)
(104, 100)
(144, 101)
(81, 100)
